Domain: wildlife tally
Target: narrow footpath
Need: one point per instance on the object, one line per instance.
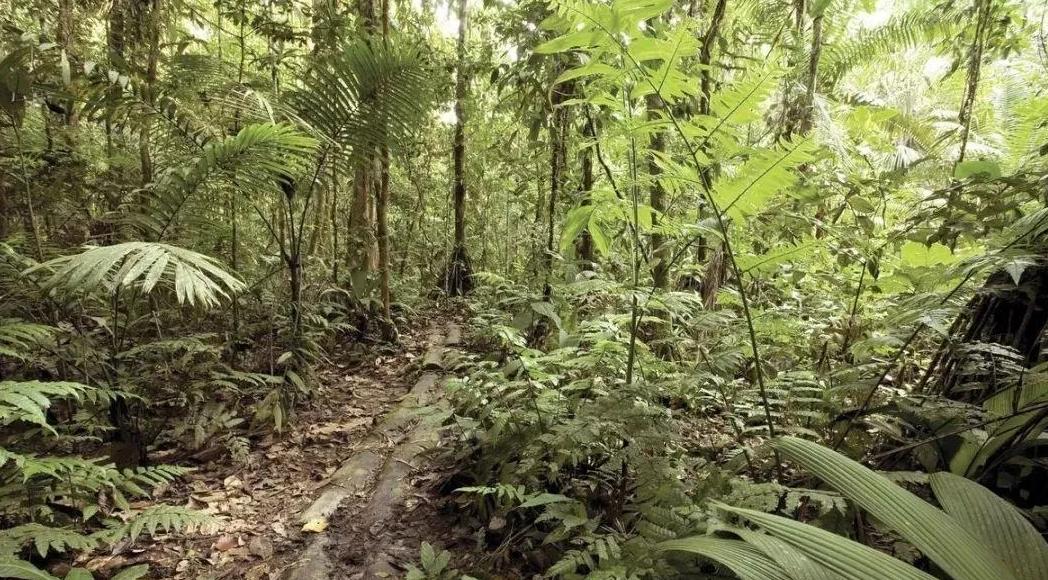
(354, 518)
(348, 491)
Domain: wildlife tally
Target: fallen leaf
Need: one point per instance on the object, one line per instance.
(226, 542)
(261, 547)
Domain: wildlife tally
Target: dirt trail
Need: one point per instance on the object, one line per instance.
(351, 469)
(376, 482)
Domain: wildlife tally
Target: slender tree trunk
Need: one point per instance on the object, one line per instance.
(361, 239)
(558, 160)
(983, 12)
(458, 280)
(807, 111)
(984, 8)
(584, 244)
(67, 40)
(706, 84)
(382, 212)
(152, 22)
(662, 251)
(706, 56)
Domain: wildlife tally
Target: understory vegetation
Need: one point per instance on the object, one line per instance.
(751, 289)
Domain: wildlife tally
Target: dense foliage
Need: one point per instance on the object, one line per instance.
(755, 288)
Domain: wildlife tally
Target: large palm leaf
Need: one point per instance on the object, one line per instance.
(370, 94)
(195, 278)
(979, 536)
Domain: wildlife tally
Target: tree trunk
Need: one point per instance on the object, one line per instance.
(662, 251)
(458, 279)
(361, 239)
(1004, 313)
(558, 136)
(152, 23)
(706, 84)
(706, 57)
(584, 244)
(382, 214)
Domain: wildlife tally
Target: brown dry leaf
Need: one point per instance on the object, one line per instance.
(226, 542)
(257, 572)
(261, 547)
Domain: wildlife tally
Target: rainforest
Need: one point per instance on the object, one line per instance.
(500, 289)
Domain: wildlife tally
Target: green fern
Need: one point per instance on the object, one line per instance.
(18, 338)
(45, 539)
(900, 33)
(762, 176)
(158, 518)
(29, 400)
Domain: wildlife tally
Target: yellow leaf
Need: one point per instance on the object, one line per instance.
(315, 525)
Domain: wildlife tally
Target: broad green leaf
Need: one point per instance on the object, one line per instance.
(928, 528)
(545, 498)
(747, 562)
(792, 560)
(846, 558)
(22, 570)
(548, 310)
(589, 69)
(996, 522)
(979, 167)
(571, 41)
(132, 573)
(918, 255)
(576, 221)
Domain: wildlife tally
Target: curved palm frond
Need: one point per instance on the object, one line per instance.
(369, 95)
(256, 159)
(196, 278)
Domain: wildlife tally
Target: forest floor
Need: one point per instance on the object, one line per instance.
(260, 502)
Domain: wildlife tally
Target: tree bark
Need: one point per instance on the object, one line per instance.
(661, 249)
(558, 160)
(458, 279)
(361, 240)
(584, 244)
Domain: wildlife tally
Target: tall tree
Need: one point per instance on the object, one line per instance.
(362, 250)
(458, 277)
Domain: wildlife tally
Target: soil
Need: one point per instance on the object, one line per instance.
(258, 501)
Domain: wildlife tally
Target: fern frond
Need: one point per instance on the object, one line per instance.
(29, 401)
(762, 176)
(902, 32)
(18, 338)
(163, 518)
(45, 538)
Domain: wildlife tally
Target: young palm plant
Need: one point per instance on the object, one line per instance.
(975, 536)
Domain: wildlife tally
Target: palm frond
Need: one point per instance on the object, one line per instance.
(931, 530)
(195, 278)
(256, 159)
(743, 559)
(369, 95)
(997, 523)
